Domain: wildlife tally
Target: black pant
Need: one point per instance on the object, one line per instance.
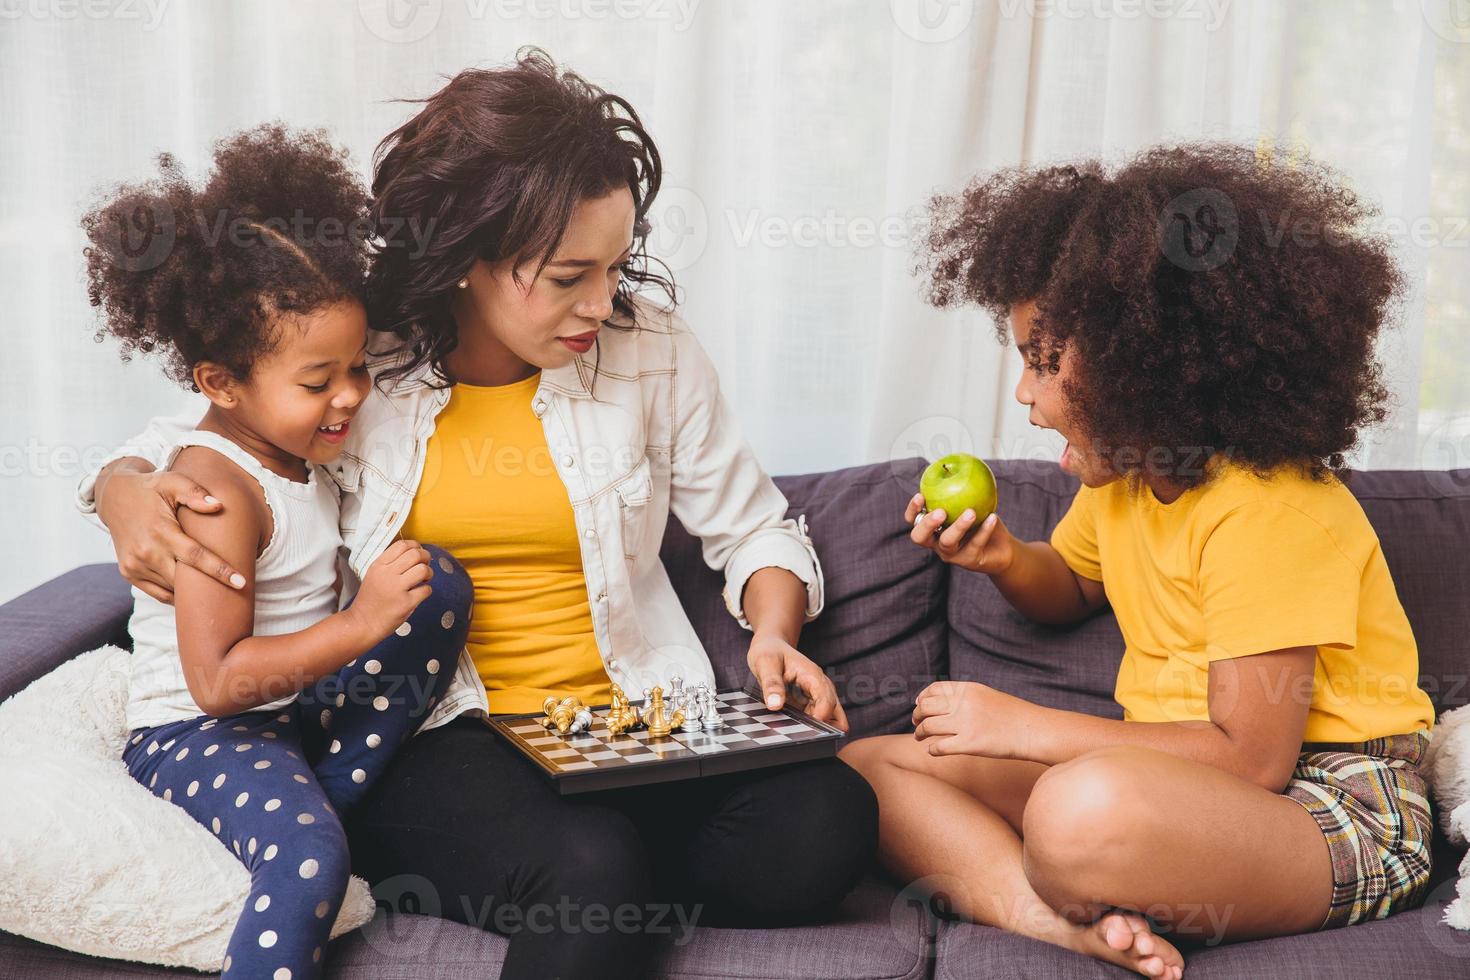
(462, 826)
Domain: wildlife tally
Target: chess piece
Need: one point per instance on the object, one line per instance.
(621, 717)
(657, 716)
(582, 721)
(711, 720)
(561, 714)
(683, 701)
(690, 709)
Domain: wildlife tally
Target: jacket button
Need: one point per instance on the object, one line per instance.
(540, 407)
(569, 461)
(589, 533)
(602, 597)
(614, 665)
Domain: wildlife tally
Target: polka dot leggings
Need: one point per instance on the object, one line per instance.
(271, 785)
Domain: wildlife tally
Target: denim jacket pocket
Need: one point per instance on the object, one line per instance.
(634, 493)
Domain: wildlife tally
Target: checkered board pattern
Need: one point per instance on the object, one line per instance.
(753, 737)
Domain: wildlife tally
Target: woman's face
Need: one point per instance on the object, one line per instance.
(1045, 395)
(546, 319)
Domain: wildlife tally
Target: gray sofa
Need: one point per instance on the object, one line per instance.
(896, 619)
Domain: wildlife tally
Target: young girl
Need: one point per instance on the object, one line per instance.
(1200, 327)
(262, 710)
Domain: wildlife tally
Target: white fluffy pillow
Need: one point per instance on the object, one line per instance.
(1448, 765)
(92, 862)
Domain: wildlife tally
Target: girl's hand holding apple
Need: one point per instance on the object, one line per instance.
(990, 549)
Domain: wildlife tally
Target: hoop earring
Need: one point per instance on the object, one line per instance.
(464, 283)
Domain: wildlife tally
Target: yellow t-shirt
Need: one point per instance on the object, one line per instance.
(491, 496)
(1241, 566)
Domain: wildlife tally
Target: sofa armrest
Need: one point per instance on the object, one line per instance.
(84, 609)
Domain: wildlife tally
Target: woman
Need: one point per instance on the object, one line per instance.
(539, 421)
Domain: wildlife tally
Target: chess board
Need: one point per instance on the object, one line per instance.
(753, 737)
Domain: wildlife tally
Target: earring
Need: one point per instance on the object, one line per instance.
(464, 283)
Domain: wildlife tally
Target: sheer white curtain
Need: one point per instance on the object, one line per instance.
(801, 142)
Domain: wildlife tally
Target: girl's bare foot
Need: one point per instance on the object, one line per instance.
(1127, 940)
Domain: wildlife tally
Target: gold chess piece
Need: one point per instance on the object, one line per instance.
(620, 714)
(656, 715)
(565, 714)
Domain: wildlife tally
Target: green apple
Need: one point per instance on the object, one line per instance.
(955, 482)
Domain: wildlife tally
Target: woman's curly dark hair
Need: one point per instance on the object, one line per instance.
(491, 168)
(202, 274)
(1217, 303)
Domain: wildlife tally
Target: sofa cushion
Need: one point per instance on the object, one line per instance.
(1422, 519)
(882, 635)
(80, 841)
(1411, 944)
(84, 609)
(1423, 522)
(871, 937)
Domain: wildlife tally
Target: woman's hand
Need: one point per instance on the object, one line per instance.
(990, 549)
(140, 511)
(776, 664)
(965, 718)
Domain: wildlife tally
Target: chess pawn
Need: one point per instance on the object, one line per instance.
(560, 714)
(711, 720)
(581, 721)
(657, 717)
(620, 715)
(682, 699)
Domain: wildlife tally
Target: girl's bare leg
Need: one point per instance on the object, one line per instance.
(1211, 854)
(953, 824)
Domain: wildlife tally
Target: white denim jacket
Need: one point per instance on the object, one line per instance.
(652, 435)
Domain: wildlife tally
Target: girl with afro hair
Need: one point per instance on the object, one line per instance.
(1200, 326)
(261, 710)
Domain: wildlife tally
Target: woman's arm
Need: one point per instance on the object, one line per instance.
(138, 505)
(722, 495)
(1257, 705)
(720, 492)
(775, 605)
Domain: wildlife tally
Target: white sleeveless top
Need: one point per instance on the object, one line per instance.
(294, 579)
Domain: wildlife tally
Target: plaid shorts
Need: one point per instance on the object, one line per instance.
(1372, 804)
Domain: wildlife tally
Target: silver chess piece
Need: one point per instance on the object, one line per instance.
(711, 719)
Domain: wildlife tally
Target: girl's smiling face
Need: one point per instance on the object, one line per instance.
(1045, 395)
(299, 399)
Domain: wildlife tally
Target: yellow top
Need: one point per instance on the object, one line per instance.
(1241, 566)
(491, 496)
